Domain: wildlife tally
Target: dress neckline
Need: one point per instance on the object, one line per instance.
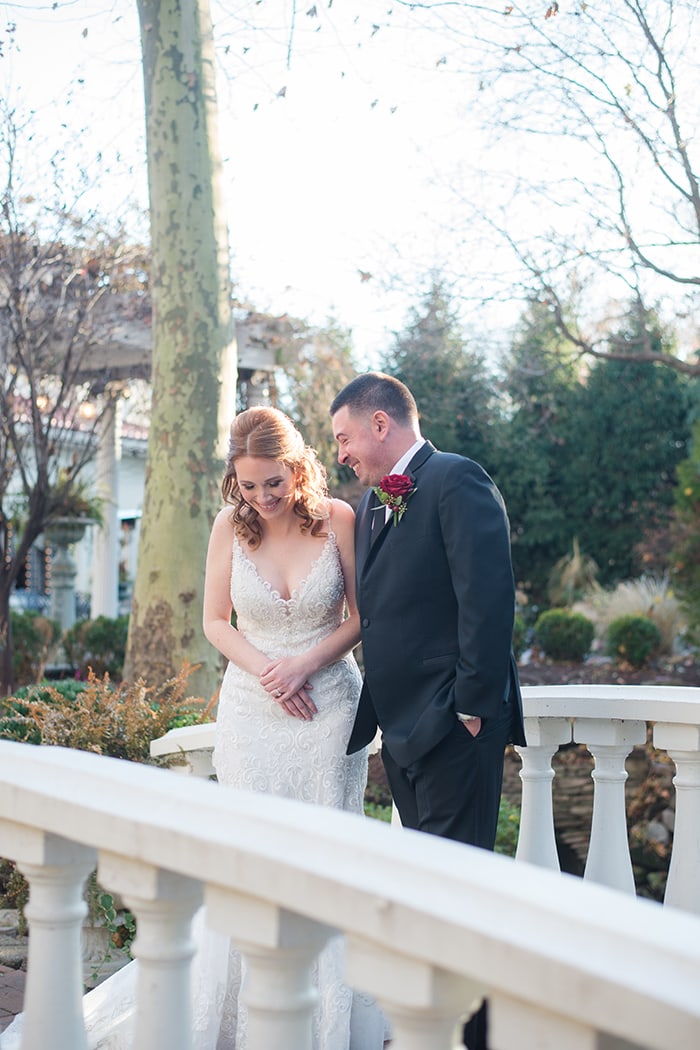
(296, 591)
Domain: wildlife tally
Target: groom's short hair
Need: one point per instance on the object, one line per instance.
(375, 391)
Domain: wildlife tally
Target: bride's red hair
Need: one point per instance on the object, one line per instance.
(268, 434)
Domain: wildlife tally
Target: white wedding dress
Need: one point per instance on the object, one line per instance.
(258, 747)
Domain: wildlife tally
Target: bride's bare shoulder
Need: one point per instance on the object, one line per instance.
(341, 513)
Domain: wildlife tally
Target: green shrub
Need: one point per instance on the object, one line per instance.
(519, 634)
(633, 639)
(564, 635)
(508, 828)
(16, 722)
(97, 716)
(648, 596)
(99, 644)
(33, 637)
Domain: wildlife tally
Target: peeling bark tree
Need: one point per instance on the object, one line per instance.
(193, 348)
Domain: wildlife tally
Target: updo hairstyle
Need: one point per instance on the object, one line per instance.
(267, 433)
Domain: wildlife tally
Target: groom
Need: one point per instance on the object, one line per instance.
(436, 598)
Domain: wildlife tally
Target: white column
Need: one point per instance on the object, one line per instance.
(610, 742)
(280, 949)
(164, 904)
(105, 567)
(426, 1005)
(682, 742)
(56, 871)
(536, 840)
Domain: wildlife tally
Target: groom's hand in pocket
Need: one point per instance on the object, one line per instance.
(472, 725)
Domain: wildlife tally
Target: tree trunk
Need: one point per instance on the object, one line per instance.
(193, 344)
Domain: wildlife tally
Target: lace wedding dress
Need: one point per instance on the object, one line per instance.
(258, 747)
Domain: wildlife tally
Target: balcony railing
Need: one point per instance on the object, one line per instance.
(430, 925)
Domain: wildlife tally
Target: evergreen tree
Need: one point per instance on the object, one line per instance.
(627, 431)
(686, 551)
(448, 379)
(540, 372)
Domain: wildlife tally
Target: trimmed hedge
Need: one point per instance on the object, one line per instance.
(564, 635)
(633, 639)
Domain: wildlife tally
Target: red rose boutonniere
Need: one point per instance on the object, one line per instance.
(394, 491)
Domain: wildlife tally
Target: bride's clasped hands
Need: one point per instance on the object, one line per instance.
(287, 682)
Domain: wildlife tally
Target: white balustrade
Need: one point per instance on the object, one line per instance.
(536, 840)
(56, 870)
(427, 1004)
(280, 948)
(610, 741)
(430, 926)
(682, 742)
(610, 721)
(164, 904)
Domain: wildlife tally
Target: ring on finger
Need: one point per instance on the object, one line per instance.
(278, 693)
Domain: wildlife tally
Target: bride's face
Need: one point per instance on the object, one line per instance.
(268, 486)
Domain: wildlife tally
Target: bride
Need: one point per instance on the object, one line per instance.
(279, 604)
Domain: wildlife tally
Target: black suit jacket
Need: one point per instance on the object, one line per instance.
(436, 600)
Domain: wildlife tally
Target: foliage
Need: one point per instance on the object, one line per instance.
(564, 635)
(647, 596)
(519, 634)
(633, 639)
(378, 811)
(33, 637)
(318, 365)
(120, 924)
(508, 828)
(448, 378)
(14, 892)
(539, 373)
(571, 576)
(686, 550)
(16, 722)
(120, 721)
(97, 644)
(73, 499)
(627, 430)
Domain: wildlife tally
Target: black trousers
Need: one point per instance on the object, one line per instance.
(454, 791)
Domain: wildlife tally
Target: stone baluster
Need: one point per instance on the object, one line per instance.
(280, 949)
(682, 742)
(517, 1023)
(426, 1004)
(536, 840)
(610, 741)
(164, 904)
(56, 871)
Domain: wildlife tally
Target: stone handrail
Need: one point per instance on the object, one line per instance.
(610, 720)
(430, 925)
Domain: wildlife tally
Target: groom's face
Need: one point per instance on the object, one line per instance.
(362, 445)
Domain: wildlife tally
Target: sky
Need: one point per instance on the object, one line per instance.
(338, 140)
(357, 155)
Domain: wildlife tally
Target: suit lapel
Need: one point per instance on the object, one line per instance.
(369, 541)
(363, 530)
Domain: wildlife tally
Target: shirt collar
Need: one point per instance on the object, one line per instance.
(401, 464)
